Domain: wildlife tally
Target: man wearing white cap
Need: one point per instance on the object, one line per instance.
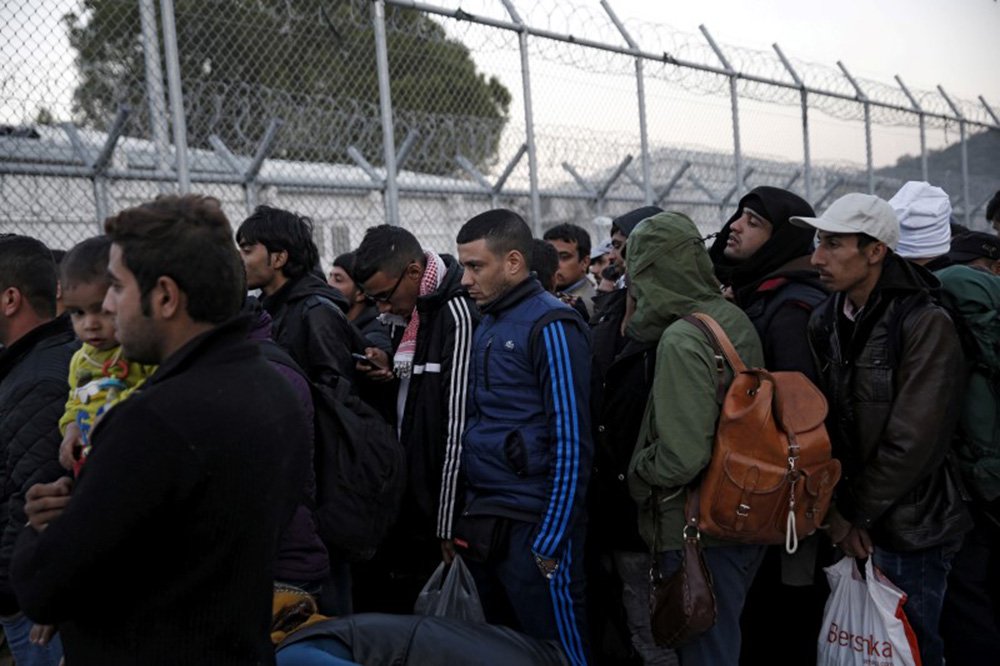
(887, 356)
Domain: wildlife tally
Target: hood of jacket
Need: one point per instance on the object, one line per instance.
(671, 274)
(787, 241)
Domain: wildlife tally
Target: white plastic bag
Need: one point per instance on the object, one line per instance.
(864, 623)
(453, 595)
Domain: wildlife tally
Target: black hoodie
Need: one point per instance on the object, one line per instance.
(308, 321)
(776, 287)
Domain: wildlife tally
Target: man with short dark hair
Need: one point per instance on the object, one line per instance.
(308, 322)
(888, 356)
(431, 360)
(307, 314)
(527, 448)
(34, 366)
(993, 212)
(190, 480)
(572, 243)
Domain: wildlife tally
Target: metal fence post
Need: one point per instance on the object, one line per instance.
(529, 121)
(647, 181)
(922, 122)
(155, 95)
(966, 201)
(863, 98)
(176, 95)
(385, 104)
(734, 98)
(804, 101)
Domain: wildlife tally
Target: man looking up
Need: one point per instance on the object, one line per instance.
(572, 243)
(190, 481)
(527, 447)
(34, 364)
(887, 357)
(431, 361)
(762, 261)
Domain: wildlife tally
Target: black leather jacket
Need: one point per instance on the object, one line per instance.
(893, 379)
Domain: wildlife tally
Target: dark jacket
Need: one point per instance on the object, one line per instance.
(435, 410)
(309, 322)
(891, 381)
(618, 413)
(527, 447)
(165, 554)
(302, 557)
(33, 390)
(779, 306)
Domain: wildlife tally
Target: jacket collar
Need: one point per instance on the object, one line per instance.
(224, 336)
(519, 292)
(300, 288)
(53, 332)
(451, 286)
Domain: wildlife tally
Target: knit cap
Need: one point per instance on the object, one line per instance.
(924, 213)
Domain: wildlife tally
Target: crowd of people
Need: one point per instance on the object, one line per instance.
(165, 495)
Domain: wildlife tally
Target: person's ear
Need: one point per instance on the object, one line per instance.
(167, 297)
(876, 252)
(10, 301)
(514, 262)
(279, 259)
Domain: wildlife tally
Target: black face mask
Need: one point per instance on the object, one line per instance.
(787, 241)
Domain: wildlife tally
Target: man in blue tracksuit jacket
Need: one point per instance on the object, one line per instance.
(526, 448)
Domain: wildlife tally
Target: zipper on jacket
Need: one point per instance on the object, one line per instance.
(486, 364)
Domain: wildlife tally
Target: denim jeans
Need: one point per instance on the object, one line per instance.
(317, 651)
(17, 629)
(633, 569)
(733, 569)
(923, 576)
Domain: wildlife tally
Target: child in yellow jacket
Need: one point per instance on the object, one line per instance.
(99, 376)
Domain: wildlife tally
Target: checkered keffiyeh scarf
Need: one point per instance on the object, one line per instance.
(433, 274)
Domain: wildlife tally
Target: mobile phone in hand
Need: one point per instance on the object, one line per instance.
(364, 360)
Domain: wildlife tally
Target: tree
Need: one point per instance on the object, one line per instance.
(310, 63)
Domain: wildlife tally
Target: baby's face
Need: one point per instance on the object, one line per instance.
(91, 322)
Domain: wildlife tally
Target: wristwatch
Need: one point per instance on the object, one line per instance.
(547, 567)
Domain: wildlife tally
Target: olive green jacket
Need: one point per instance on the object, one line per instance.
(672, 277)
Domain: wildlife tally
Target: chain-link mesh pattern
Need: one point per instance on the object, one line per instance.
(281, 106)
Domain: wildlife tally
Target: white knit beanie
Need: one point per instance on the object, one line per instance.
(924, 213)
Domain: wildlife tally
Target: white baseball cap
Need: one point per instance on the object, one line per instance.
(857, 213)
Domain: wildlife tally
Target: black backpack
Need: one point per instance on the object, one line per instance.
(360, 468)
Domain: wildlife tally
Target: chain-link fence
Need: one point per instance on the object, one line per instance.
(358, 112)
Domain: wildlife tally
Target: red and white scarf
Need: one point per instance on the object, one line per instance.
(433, 274)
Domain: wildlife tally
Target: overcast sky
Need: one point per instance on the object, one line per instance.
(955, 43)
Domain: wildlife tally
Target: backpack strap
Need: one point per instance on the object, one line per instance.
(724, 350)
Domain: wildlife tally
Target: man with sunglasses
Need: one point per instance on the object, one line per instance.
(423, 291)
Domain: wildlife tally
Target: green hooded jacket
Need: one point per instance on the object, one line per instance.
(672, 276)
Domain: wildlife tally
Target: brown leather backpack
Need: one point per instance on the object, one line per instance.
(771, 476)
